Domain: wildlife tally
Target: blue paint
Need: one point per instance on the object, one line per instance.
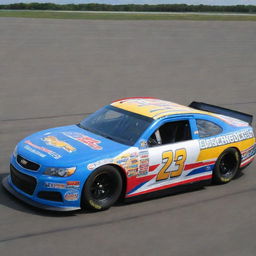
(201, 170)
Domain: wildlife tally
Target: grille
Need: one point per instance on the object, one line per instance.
(27, 164)
(50, 195)
(22, 181)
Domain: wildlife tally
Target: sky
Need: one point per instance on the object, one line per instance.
(207, 2)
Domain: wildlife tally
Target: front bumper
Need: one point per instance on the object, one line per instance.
(6, 182)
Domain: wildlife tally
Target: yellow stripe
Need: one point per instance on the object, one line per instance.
(156, 108)
(151, 109)
(211, 153)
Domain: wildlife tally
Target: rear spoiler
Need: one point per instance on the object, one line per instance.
(222, 111)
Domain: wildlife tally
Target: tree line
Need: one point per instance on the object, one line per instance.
(130, 7)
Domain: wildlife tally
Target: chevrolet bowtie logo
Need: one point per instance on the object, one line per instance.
(23, 161)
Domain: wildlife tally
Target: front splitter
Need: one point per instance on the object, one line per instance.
(11, 190)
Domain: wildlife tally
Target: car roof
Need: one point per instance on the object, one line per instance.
(154, 108)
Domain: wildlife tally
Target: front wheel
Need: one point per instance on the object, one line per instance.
(227, 166)
(102, 189)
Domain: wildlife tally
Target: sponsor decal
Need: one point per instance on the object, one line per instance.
(142, 157)
(27, 147)
(73, 184)
(134, 155)
(128, 161)
(143, 154)
(91, 166)
(45, 150)
(121, 161)
(55, 185)
(55, 142)
(226, 139)
(132, 172)
(67, 185)
(142, 172)
(124, 159)
(86, 140)
(143, 163)
(94, 165)
(134, 161)
(249, 153)
(133, 166)
(71, 195)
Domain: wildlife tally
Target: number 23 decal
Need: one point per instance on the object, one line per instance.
(179, 158)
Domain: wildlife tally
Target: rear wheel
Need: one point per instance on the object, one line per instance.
(227, 166)
(102, 189)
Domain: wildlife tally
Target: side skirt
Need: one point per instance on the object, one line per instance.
(169, 191)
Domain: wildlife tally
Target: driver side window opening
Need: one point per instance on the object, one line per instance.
(171, 132)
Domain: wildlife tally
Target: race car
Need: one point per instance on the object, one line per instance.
(130, 148)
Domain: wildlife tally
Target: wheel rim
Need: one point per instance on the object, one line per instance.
(228, 165)
(102, 187)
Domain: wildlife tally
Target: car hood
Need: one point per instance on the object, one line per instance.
(67, 146)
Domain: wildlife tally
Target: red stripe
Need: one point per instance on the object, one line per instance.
(134, 181)
(207, 177)
(153, 167)
(195, 165)
(247, 161)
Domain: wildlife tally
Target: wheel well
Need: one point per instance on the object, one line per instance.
(227, 166)
(239, 153)
(124, 180)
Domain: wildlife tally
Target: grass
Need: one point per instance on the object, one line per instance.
(123, 16)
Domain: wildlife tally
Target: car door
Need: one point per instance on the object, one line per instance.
(170, 154)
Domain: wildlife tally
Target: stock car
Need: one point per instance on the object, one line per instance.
(130, 148)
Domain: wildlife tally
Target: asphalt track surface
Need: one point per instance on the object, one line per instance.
(54, 72)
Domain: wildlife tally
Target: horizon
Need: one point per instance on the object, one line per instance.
(151, 2)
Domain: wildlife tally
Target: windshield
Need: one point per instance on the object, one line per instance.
(116, 124)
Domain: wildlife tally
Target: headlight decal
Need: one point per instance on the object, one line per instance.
(60, 172)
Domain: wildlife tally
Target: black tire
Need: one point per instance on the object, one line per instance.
(227, 166)
(102, 189)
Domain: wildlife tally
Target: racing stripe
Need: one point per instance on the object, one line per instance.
(206, 177)
(247, 161)
(137, 182)
(201, 170)
(195, 165)
(153, 167)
